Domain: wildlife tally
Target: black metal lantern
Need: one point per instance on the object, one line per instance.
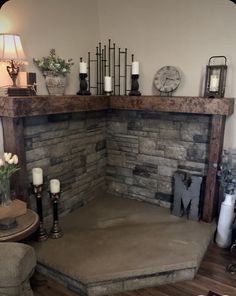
(215, 78)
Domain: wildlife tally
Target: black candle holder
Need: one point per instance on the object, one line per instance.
(134, 86)
(56, 231)
(107, 93)
(83, 85)
(41, 233)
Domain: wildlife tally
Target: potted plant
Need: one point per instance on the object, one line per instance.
(54, 69)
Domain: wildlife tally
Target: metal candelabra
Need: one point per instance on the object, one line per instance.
(110, 61)
(56, 231)
(41, 233)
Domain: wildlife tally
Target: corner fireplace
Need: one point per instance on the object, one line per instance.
(129, 145)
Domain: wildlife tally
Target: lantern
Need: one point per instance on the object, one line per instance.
(215, 78)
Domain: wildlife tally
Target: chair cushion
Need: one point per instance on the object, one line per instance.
(17, 261)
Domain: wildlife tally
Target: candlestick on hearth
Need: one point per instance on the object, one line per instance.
(37, 191)
(55, 194)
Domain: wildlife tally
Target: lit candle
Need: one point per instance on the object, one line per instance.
(83, 67)
(37, 174)
(54, 186)
(135, 68)
(214, 82)
(107, 83)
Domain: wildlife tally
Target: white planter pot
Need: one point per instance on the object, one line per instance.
(55, 84)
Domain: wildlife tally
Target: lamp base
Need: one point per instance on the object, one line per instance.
(13, 71)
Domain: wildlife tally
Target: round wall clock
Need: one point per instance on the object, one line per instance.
(167, 79)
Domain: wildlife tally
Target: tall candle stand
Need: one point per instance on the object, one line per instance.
(41, 233)
(134, 86)
(56, 231)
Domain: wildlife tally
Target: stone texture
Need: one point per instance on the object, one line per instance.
(72, 149)
(131, 152)
(154, 145)
(113, 245)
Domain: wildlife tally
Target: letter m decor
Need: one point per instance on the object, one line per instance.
(187, 195)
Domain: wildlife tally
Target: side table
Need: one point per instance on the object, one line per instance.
(26, 225)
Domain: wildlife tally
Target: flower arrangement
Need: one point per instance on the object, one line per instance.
(54, 64)
(8, 165)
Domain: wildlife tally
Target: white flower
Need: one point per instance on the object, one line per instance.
(10, 161)
(1, 162)
(15, 159)
(63, 70)
(7, 156)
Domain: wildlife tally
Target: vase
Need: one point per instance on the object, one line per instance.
(5, 192)
(6, 201)
(56, 84)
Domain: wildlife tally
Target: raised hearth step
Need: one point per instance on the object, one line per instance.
(116, 244)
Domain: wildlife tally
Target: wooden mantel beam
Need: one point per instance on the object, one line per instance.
(44, 105)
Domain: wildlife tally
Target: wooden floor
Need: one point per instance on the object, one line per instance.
(212, 276)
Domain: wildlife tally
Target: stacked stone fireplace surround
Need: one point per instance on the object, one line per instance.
(132, 154)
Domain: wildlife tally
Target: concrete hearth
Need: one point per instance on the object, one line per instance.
(115, 244)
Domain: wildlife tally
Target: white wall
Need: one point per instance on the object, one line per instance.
(183, 33)
(71, 27)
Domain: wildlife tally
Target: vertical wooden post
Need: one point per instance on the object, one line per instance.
(13, 136)
(215, 152)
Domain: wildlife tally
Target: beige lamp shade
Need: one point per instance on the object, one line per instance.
(11, 48)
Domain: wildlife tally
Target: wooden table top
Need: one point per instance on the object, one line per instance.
(26, 225)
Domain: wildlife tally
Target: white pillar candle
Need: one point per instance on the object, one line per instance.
(214, 82)
(107, 83)
(54, 186)
(83, 67)
(37, 174)
(135, 68)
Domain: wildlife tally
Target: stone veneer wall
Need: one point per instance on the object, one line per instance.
(132, 154)
(145, 149)
(69, 147)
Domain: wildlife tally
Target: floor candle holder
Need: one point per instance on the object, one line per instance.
(41, 233)
(56, 231)
(134, 86)
(83, 85)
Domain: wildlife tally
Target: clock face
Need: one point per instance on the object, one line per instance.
(167, 79)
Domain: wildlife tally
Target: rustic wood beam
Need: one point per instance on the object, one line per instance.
(44, 105)
(196, 105)
(214, 158)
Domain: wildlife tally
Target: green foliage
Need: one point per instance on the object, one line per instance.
(53, 63)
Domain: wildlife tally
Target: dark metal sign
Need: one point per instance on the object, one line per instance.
(2, 2)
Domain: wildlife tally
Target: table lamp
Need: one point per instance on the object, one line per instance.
(11, 51)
